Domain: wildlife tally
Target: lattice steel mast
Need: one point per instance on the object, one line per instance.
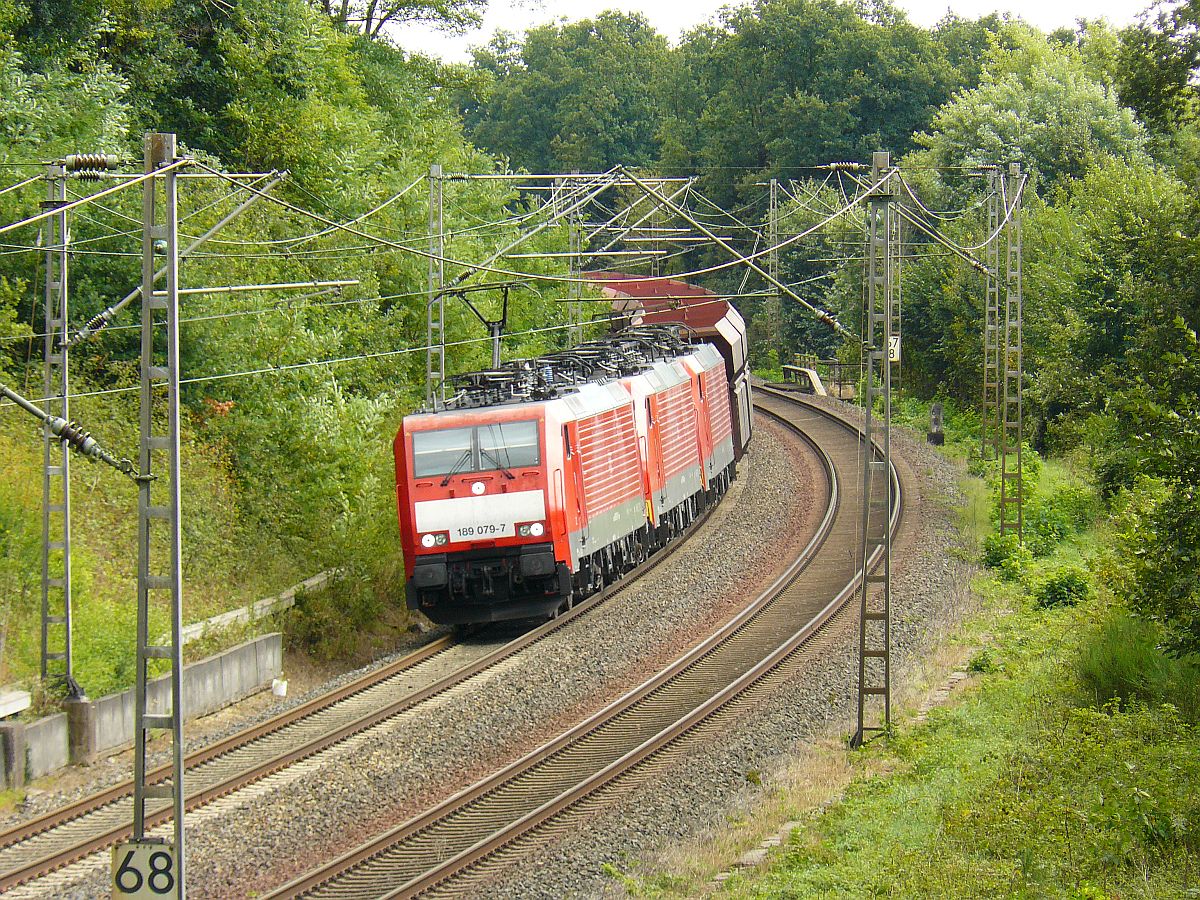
(775, 299)
(56, 655)
(158, 491)
(435, 310)
(990, 409)
(56, 478)
(575, 287)
(1012, 434)
(880, 348)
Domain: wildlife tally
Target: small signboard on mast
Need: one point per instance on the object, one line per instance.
(145, 870)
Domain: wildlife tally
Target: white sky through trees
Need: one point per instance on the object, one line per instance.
(673, 17)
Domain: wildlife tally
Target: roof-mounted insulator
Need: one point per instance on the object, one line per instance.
(83, 164)
(546, 377)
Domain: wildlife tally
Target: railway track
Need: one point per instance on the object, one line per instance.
(465, 835)
(70, 833)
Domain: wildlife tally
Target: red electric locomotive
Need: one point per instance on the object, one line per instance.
(546, 479)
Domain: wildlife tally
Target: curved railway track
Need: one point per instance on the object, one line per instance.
(62, 836)
(461, 837)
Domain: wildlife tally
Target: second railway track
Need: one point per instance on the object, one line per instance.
(62, 836)
(50, 842)
(459, 835)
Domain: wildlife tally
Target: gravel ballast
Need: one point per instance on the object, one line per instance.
(290, 821)
(723, 777)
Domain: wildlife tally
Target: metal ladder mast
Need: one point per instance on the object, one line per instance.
(159, 543)
(435, 306)
(1012, 436)
(775, 299)
(880, 348)
(56, 481)
(575, 270)
(560, 207)
(990, 409)
(896, 304)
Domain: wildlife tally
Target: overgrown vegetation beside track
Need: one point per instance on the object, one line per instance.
(287, 472)
(1034, 785)
(1065, 767)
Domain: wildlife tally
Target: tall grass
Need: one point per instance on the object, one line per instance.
(1122, 661)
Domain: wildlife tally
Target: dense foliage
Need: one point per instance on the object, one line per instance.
(581, 96)
(289, 469)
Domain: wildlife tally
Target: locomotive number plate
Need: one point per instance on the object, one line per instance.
(483, 530)
(483, 517)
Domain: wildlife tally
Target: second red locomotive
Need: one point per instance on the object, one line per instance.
(546, 479)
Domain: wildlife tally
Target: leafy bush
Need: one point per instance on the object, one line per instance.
(1051, 519)
(1046, 526)
(999, 547)
(1005, 553)
(1066, 587)
(983, 663)
(1153, 564)
(768, 367)
(329, 623)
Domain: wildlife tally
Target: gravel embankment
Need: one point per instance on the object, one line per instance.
(705, 788)
(292, 820)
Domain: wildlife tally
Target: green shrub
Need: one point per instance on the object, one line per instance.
(1123, 660)
(999, 547)
(1005, 553)
(330, 623)
(1046, 526)
(1051, 519)
(983, 663)
(1154, 560)
(1067, 587)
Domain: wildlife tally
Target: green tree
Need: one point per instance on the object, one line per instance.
(1112, 269)
(582, 95)
(780, 84)
(1158, 62)
(1036, 104)
(371, 17)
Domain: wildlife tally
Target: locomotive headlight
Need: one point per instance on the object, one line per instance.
(523, 530)
(536, 529)
(442, 539)
(428, 540)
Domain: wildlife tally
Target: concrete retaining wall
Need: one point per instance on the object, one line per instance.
(208, 685)
(90, 728)
(255, 611)
(46, 745)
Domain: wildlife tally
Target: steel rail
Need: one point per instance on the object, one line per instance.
(25, 830)
(109, 834)
(471, 866)
(421, 828)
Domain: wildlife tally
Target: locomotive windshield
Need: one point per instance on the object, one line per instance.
(482, 448)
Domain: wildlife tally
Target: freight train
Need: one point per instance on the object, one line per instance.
(546, 479)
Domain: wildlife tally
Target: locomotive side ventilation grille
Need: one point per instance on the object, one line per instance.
(624, 353)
